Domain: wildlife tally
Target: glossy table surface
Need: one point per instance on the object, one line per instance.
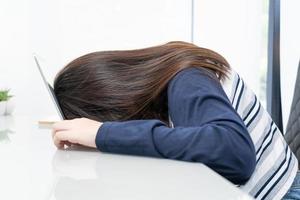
(32, 168)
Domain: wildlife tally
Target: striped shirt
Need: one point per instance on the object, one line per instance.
(276, 165)
(212, 122)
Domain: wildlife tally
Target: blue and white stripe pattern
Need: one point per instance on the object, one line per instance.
(276, 165)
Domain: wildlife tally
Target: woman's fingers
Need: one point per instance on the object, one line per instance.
(68, 143)
(81, 131)
(62, 125)
(61, 138)
(59, 144)
(62, 134)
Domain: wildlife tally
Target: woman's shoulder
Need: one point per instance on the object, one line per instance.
(195, 74)
(194, 80)
(196, 71)
(200, 74)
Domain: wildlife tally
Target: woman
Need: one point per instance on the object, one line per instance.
(175, 101)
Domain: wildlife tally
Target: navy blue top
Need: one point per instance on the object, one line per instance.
(207, 129)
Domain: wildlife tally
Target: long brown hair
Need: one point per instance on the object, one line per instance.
(131, 84)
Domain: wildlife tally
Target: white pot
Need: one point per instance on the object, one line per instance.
(9, 107)
(2, 107)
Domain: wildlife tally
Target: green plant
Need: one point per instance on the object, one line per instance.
(4, 95)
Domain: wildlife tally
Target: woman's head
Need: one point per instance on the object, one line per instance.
(126, 85)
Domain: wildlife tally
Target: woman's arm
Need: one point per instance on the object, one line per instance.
(207, 130)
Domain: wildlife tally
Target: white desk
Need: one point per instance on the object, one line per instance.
(31, 168)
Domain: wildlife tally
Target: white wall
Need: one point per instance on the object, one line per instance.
(290, 52)
(237, 30)
(14, 50)
(61, 30)
(64, 30)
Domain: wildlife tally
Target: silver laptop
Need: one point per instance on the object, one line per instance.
(50, 91)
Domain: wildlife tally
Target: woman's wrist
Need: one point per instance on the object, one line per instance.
(100, 139)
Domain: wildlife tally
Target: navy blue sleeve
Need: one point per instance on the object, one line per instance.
(206, 129)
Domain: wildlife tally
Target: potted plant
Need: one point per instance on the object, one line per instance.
(6, 106)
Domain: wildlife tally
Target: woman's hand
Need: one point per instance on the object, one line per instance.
(81, 131)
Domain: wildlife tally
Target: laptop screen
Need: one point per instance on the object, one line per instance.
(50, 91)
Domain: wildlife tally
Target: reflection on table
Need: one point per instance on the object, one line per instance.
(6, 128)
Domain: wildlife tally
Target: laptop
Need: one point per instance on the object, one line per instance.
(51, 93)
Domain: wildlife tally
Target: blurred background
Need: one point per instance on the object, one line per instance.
(58, 31)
